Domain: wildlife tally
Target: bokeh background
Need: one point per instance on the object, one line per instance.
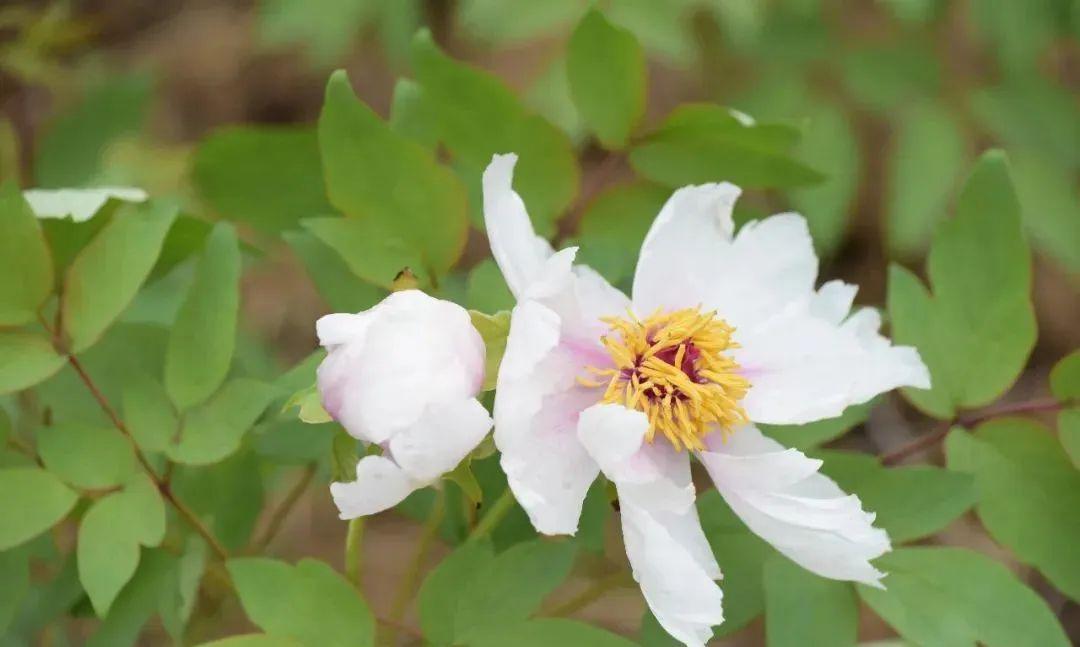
(896, 99)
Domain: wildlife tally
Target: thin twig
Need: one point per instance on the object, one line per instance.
(503, 505)
(354, 542)
(407, 587)
(166, 491)
(967, 421)
(281, 513)
(594, 592)
(400, 626)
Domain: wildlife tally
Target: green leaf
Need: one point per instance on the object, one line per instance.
(71, 151)
(412, 115)
(254, 640)
(463, 477)
(804, 609)
(651, 634)
(486, 290)
(910, 502)
(924, 168)
(1051, 207)
(85, 455)
(270, 177)
(104, 277)
(741, 556)
(325, 30)
(203, 337)
(1029, 112)
(544, 632)
(701, 143)
(213, 431)
(34, 500)
(818, 433)
(829, 143)
(178, 602)
(309, 402)
(614, 225)
(494, 330)
(15, 574)
(149, 414)
(25, 261)
(606, 69)
(110, 535)
(26, 359)
(977, 328)
(478, 116)
(953, 597)
(1065, 377)
(137, 602)
(308, 602)
(375, 174)
(512, 586)
(344, 456)
(1029, 492)
(441, 590)
(1069, 434)
(370, 250)
(227, 496)
(890, 75)
(335, 282)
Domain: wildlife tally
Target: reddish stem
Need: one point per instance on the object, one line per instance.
(968, 421)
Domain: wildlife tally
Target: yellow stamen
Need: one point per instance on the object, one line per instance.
(672, 367)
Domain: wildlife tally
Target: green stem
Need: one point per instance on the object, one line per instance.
(502, 506)
(353, 543)
(594, 592)
(407, 588)
(281, 513)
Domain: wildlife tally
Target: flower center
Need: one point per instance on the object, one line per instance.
(672, 366)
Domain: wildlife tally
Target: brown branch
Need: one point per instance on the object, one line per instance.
(967, 421)
(281, 513)
(166, 491)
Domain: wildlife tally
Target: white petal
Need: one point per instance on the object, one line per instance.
(674, 267)
(611, 434)
(80, 204)
(380, 484)
(833, 300)
(537, 404)
(440, 439)
(781, 496)
(341, 328)
(803, 368)
(681, 593)
(413, 352)
(517, 249)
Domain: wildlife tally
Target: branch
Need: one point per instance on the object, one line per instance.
(166, 491)
(278, 517)
(967, 421)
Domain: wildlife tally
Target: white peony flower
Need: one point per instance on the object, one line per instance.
(723, 330)
(403, 375)
(80, 204)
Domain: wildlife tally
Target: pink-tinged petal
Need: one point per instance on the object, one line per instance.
(443, 436)
(537, 404)
(517, 249)
(386, 366)
(667, 549)
(782, 497)
(380, 485)
(804, 367)
(675, 267)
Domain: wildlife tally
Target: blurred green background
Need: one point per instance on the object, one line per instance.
(213, 104)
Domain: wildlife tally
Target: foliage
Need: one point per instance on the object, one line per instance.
(148, 427)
